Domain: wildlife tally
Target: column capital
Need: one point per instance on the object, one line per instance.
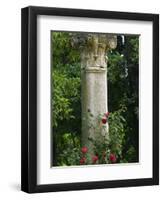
(93, 48)
(93, 40)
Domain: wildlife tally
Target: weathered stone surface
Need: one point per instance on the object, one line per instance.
(93, 49)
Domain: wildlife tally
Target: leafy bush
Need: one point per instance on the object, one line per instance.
(70, 150)
(112, 145)
(108, 151)
(64, 94)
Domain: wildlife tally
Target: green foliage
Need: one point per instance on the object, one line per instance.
(64, 56)
(116, 69)
(65, 78)
(70, 150)
(117, 132)
(132, 49)
(64, 93)
(123, 73)
(114, 143)
(65, 97)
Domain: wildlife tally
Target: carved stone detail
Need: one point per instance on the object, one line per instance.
(93, 48)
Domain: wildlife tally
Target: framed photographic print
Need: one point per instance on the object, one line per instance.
(90, 99)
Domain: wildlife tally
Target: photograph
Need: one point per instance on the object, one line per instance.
(94, 98)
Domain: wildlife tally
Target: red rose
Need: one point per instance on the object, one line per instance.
(82, 160)
(107, 114)
(112, 158)
(104, 120)
(94, 159)
(84, 149)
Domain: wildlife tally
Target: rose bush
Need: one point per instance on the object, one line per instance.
(110, 150)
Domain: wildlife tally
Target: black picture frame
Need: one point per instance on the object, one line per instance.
(29, 99)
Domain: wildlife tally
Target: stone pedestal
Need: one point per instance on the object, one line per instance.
(93, 49)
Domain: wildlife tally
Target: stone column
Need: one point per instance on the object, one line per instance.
(93, 50)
